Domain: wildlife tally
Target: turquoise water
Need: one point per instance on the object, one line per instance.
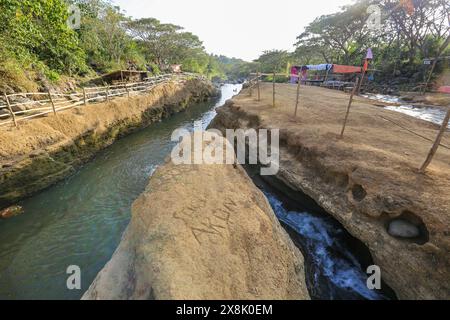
(80, 220)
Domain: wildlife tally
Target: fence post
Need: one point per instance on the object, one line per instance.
(10, 110)
(298, 97)
(84, 96)
(128, 91)
(349, 106)
(52, 102)
(437, 142)
(259, 88)
(273, 89)
(107, 93)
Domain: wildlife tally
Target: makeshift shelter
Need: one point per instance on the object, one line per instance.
(322, 73)
(122, 76)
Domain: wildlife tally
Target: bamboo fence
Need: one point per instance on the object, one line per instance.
(39, 104)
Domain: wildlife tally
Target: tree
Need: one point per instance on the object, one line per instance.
(407, 36)
(37, 31)
(164, 43)
(273, 61)
(103, 36)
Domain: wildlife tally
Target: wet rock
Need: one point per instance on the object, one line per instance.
(403, 229)
(11, 212)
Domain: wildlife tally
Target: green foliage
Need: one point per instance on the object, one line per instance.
(405, 38)
(36, 44)
(273, 61)
(36, 31)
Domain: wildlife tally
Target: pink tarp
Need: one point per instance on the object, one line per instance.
(444, 89)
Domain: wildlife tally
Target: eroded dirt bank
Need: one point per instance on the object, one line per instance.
(43, 151)
(202, 232)
(368, 181)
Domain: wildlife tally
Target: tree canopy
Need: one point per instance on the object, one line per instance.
(36, 42)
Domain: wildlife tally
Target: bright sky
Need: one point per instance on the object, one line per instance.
(236, 28)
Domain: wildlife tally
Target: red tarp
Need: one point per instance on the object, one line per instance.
(337, 68)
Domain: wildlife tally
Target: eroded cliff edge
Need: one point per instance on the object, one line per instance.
(43, 151)
(366, 181)
(202, 232)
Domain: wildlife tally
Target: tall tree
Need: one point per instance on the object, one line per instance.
(164, 43)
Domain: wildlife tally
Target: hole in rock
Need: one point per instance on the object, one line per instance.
(358, 192)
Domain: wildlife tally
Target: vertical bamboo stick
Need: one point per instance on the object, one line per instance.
(437, 142)
(10, 110)
(52, 102)
(355, 87)
(273, 89)
(107, 93)
(298, 97)
(128, 91)
(84, 97)
(259, 87)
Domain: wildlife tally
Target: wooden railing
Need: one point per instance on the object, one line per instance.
(38, 104)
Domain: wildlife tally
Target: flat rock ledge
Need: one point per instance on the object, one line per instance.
(202, 232)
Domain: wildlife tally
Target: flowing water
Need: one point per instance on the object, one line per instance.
(431, 114)
(335, 262)
(80, 220)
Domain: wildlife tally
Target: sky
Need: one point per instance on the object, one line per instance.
(237, 28)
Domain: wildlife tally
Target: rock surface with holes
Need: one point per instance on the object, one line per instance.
(365, 180)
(202, 232)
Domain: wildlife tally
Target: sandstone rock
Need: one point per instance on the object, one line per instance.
(313, 158)
(202, 232)
(403, 229)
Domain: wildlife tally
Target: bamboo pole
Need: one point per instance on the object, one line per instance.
(52, 102)
(355, 87)
(107, 93)
(128, 91)
(298, 96)
(10, 110)
(361, 82)
(84, 97)
(437, 142)
(273, 88)
(259, 87)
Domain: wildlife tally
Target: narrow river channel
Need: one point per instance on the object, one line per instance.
(80, 221)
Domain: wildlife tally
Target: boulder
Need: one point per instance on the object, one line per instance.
(202, 232)
(11, 212)
(403, 229)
